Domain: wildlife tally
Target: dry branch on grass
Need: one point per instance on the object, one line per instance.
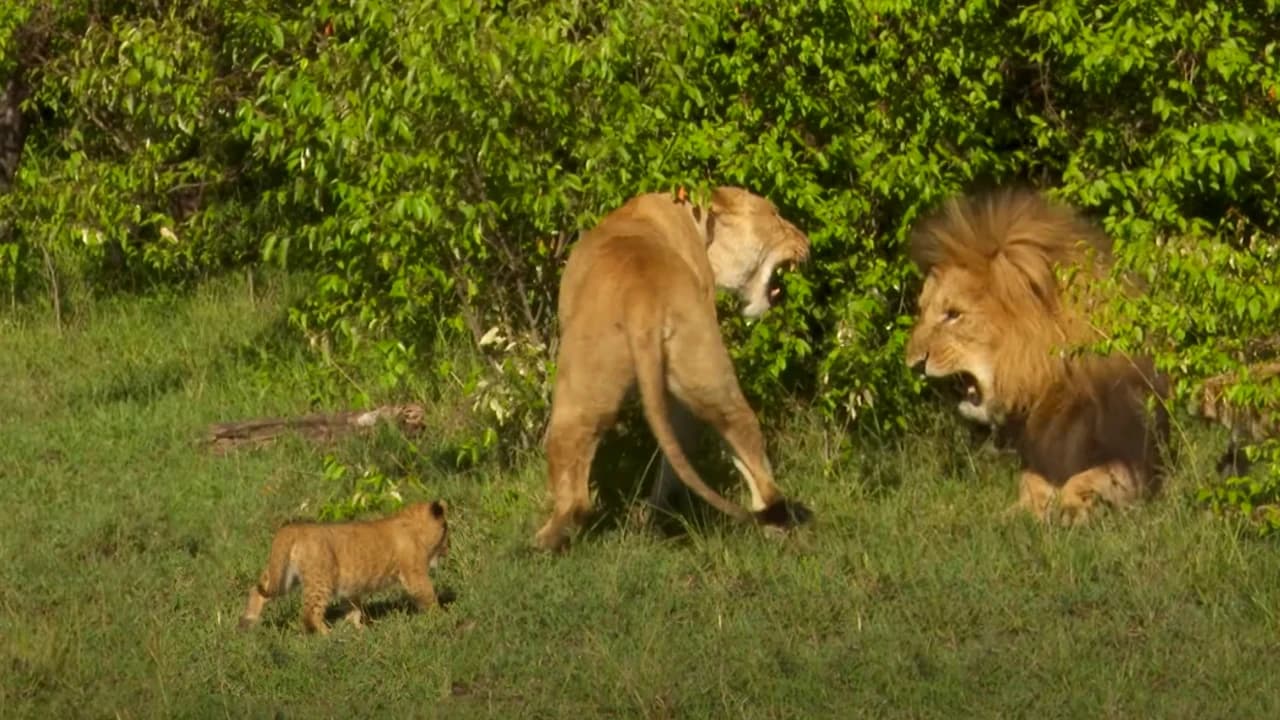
(321, 427)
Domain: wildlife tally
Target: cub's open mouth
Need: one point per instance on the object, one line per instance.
(776, 288)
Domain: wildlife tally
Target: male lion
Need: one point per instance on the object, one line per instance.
(995, 313)
(352, 559)
(637, 307)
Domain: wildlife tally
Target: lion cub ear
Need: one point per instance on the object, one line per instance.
(437, 509)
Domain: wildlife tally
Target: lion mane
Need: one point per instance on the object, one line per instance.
(1011, 280)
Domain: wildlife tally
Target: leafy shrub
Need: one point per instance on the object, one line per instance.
(429, 163)
(359, 490)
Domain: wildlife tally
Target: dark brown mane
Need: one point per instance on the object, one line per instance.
(1095, 417)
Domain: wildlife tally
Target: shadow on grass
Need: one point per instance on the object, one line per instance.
(286, 618)
(627, 464)
(393, 604)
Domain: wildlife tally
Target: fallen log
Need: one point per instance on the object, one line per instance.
(321, 427)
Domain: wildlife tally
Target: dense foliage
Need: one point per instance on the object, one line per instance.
(428, 163)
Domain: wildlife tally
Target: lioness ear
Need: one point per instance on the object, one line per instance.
(437, 509)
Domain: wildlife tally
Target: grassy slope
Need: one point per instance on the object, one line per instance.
(126, 553)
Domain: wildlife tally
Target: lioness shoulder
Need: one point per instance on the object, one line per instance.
(350, 560)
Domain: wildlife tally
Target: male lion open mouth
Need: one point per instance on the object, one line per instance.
(994, 316)
(637, 307)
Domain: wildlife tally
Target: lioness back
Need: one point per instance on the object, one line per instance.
(346, 561)
(635, 248)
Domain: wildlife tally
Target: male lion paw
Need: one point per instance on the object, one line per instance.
(1076, 508)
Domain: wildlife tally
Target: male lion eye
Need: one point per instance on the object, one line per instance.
(952, 314)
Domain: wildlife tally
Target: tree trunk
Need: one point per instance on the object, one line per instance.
(13, 131)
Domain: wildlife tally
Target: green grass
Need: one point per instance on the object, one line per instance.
(126, 551)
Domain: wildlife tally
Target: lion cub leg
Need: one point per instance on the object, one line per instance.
(418, 585)
(315, 598)
(354, 616)
(1111, 484)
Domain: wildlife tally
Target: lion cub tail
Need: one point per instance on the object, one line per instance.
(274, 580)
(646, 351)
(280, 572)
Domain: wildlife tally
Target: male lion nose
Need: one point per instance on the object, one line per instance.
(917, 363)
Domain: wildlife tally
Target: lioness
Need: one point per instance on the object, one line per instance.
(637, 306)
(352, 559)
(994, 313)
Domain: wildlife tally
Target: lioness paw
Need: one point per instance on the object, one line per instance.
(551, 540)
(784, 514)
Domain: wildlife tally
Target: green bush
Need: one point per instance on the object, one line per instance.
(429, 163)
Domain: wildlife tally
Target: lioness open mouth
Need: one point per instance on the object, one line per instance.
(776, 288)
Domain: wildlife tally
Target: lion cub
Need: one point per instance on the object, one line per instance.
(349, 560)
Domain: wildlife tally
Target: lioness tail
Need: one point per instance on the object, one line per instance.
(646, 352)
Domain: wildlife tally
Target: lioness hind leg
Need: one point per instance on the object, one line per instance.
(1112, 484)
(702, 377)
(570, 448)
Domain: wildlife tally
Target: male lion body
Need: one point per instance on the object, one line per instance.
(637, 307)
(994, 312)
(349, 560)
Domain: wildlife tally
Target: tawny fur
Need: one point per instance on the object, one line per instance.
(1005, 299)
(1248, 425)
(346, 561)
(637, 307)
